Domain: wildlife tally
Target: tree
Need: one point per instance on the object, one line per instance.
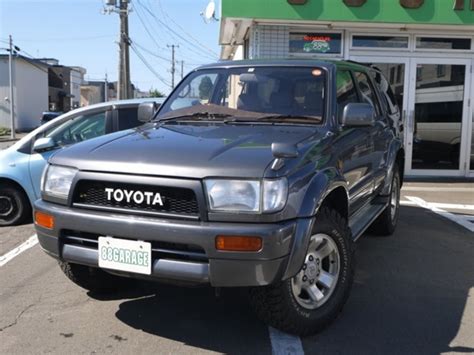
(205, 88)
(156, 93)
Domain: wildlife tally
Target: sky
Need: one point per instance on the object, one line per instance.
(77, 33)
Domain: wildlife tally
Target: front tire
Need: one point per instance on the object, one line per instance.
(93, 279)
(15, 207)
(308, 302)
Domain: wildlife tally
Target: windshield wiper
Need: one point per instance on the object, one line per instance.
(195, 117)
(279, 118)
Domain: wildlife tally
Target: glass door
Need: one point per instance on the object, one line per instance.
(438, 117)
(470, 155)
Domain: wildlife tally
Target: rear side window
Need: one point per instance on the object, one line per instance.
(346, 91)
(128, 118)
(367, 91)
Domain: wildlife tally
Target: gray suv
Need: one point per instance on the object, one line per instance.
(258, 174)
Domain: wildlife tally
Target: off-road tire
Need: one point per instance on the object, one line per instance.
(385, 224)
(21, 207)
(276, 304)
(93, 279)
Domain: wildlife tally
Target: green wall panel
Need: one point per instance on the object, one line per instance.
(432, 12)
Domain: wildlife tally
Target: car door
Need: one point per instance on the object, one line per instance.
(354, 146)
(78, 128)
(381, 131)
(388, 126)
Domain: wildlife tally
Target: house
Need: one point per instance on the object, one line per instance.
(30, 90)
(64, 85)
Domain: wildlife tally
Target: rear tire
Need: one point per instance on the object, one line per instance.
(93, 279)
(15, 207)
(287, 305)
(386, 223)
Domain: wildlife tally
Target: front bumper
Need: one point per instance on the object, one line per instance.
(277, 260)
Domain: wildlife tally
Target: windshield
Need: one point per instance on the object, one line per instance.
(251, 93)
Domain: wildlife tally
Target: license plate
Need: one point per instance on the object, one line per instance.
(125, 255)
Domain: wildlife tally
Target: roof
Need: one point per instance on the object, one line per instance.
(290, 62)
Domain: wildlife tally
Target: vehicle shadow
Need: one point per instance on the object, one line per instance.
(409, 296)
(196, 317)
(410, 292)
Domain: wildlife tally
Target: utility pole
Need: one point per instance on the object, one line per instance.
(12, 106)
(123, 84)
(106, 89)
(182, 69)
(124, 91)
(173, 62)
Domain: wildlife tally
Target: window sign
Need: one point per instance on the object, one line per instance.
(316, 43)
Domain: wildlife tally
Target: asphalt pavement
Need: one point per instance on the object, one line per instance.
(413, 294)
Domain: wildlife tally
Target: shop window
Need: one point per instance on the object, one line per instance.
(419, 72)
(399, 74)
(392, 74)
(362, 41)
(443, 43)
(441, 71)
(315, 43)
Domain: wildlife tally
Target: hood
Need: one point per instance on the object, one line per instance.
(185, 150)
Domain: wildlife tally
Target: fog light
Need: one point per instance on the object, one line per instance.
(238, 243)
(44, 220)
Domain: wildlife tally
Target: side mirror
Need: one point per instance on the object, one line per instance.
(358, 115)
(43, 144)
(147, 110)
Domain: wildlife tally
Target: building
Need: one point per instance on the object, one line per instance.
(77, 79)
(93, 92)
(30, 90)
(59, 88)
(424, 48)
(64, 85)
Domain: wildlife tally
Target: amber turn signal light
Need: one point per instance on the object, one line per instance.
(238, 243)
(44, 220)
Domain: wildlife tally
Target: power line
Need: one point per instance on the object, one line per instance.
(88, 38)
(172, 32)
(186, 32)
(150, 68)
(146, 29)
(143, 48)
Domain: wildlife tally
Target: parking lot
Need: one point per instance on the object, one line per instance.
(413, 293)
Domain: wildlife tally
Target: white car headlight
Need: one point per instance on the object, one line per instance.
(246, 195)
(57, 181)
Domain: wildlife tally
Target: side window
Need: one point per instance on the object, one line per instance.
(128, 118)
(345, 91)
(367, 91)
(388, 98)
(79, 129)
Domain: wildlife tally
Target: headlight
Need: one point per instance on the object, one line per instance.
(57, 181)
(275, 193)
(246, 195)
